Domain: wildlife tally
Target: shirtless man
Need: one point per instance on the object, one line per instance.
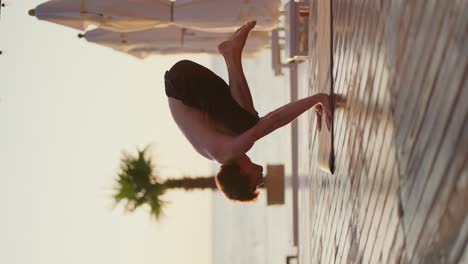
(220, 120)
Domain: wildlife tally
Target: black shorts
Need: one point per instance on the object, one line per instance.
(198, 87)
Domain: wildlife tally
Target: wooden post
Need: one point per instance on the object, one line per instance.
(274, 184)
(293, 78)
(297, 33)
(276, 53)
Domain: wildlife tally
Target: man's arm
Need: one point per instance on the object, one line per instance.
(274, 120)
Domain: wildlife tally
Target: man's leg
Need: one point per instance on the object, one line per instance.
(231, 50)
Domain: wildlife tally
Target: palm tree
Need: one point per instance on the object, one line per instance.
(138, 184)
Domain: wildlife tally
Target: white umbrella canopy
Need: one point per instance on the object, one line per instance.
(226, 15)
(171, 40)
(143, 53)
(135, 15)
(116, 15)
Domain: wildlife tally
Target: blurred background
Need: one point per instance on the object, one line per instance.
(68, 108)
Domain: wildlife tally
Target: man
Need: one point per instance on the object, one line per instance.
(220, 120)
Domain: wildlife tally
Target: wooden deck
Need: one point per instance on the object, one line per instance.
(399, 193)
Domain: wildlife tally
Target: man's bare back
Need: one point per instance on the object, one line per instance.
(205, 135)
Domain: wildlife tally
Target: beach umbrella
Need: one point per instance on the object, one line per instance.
(117, 15)
(134, 15)
(171, 40)
(1, 5)
(226, 15)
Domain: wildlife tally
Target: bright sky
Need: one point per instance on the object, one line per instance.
(67, 110)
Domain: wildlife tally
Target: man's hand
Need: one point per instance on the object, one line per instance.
(323, 107)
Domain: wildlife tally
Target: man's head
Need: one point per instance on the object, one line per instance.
(239, 180)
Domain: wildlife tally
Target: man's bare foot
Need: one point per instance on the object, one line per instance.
(235, 44)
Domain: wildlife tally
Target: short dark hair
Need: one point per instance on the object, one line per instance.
(235, 185)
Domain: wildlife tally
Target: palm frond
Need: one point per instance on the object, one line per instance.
(137, 184)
